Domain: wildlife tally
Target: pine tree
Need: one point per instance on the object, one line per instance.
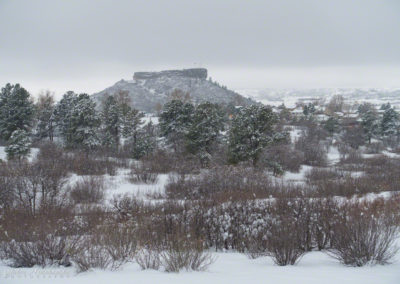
(18, 145)
(86, 122)
(111, 118)
(331, 125)
(369, 120)
(77, 120)
(145, 141)
(175, 121)
(16, 110)
(252, 130)
(45, 116)
(205, 131)
(390, 123)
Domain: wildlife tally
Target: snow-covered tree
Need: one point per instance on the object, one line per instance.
(45, 116)
(111, 118)
(77, 120)
(205, 131)
(16, 110)
(390, 123)
(18, 145)
(145, 141)
(309, 109)
(175, 122)
(369, 120)
(253, 129)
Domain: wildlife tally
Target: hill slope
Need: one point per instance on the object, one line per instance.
(149, 89)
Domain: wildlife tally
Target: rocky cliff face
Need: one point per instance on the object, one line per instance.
(148, 90)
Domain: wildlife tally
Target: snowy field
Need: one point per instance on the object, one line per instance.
(229, 268)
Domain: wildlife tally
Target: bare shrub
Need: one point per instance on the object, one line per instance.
(44, 250)
(361, 236)
(92, 256)
(108, 247)
(148, 258)
(185, 254)
(142, 173)
(88, 190)
(46, 239)
(316, 175)
(310, 144)
(222, 183)
(85, 164)
(288, 158)
(374, 148)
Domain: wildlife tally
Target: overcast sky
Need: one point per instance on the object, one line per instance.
(88, 45)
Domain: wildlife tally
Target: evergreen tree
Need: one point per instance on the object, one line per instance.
(145, 141)
(45, 116)
(205, 131)
(309, 109)
(390, 123)
(369, 120)
(77, 120)
(132, 123)
(16, 110)
(252, 130)
(18, 145)
(331, 125)
(111, 123)
(175, 122)
(86, 122)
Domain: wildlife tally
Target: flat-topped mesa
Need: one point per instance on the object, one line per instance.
(200, 73)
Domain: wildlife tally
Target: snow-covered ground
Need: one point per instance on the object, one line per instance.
(229, 268)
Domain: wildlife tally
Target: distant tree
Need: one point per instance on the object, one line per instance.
(284, 113)
(111, 120)
(253, 129)
(16, 110)
(309, 109)
(205, 130)
(18, 145)
(369, 120)
(331, 125)
(175, 122)
(386, 106)
(390, 123)
(336, 104)
(145, 141)
(45, 116)
(179, 95)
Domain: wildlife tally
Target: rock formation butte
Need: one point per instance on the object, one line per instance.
(149, 90)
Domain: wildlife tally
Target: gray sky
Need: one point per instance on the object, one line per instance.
(89, 45)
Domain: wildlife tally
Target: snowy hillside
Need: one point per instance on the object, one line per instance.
(153, 88)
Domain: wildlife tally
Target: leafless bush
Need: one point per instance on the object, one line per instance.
(45, 239)
(361, 236)
(44, 250)
(88, 190)
(141, 173)
(183, 254)
(222, 183)
(148, 258)
(92, 256)
(316, 175)
(284, 243)
(374, 148)
(288, 158)
(86, 164)
(108, 247)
